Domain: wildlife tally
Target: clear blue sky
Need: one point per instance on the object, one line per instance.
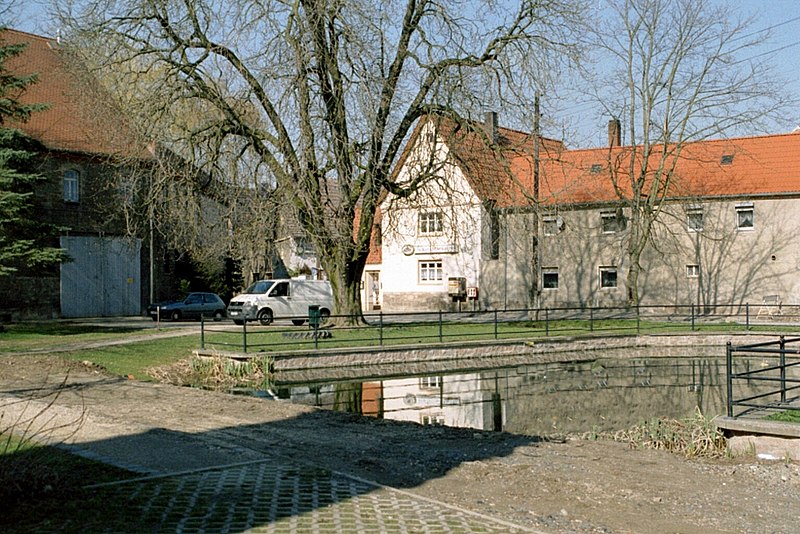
(588, 126)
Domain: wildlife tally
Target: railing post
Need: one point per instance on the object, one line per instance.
(380, 328)
(202, 331)
(783, 370)
(244, 336)
(495, 324)
(440, 325)
(729, 373)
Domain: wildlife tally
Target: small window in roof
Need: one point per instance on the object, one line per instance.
(727, 159)
(596, 168)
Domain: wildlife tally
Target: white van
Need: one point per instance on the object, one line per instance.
(267, 300)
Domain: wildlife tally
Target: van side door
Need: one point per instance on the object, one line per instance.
(280, 300)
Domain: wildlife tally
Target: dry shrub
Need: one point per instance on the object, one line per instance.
(215, 372)
(694, 436)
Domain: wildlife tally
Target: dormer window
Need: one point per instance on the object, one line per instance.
(71, 180)
(727, 159)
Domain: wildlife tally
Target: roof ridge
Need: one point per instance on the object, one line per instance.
(29, 34)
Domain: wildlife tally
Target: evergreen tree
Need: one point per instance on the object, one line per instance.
(25, 242)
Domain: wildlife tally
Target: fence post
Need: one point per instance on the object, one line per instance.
(440, 326)
(244, 336)
(380, 328)
(729, 373)
(783, 370)
(202, 331)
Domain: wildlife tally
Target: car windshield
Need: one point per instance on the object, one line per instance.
(259, 287)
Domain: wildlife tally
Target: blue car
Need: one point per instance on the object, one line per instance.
(193, 306)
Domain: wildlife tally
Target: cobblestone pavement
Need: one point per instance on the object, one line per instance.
(270, 497)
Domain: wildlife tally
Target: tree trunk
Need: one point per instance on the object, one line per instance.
(345, 278)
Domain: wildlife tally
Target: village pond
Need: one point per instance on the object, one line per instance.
(574, 395)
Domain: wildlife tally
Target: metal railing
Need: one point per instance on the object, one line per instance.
(769, 385)
(389, 328)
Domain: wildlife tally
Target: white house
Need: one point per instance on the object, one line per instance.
(723, 235)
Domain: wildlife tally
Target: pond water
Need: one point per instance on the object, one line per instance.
(602, 394)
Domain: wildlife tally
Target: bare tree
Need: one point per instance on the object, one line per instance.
(680, 74)
(317, 97)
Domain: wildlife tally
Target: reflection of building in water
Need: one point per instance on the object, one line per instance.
(464, 400)
(451, 400)
(604, 394)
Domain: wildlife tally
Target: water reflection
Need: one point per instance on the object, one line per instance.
(539, 398)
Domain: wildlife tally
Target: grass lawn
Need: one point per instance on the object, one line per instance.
(20, 337)
(133, 358)
(789, 416)
(274, 338)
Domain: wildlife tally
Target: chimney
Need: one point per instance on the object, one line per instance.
(490, 124)
(614, 133)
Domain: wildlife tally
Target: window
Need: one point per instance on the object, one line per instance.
(71, 190)
(430, 223)
(726, 159)
(194, 298)
(550, 278)
(612, 221)
(692, 271)
(694, 219)
(552, 225)
(280, 290)
(745, 217)
(430, 271)
(430, 382)
(608, 277)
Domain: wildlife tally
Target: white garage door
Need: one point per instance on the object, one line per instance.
(102, 280)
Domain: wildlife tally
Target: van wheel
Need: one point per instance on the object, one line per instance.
(265, 317)
(298, 322)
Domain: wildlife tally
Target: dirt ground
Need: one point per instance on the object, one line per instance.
(567, 486)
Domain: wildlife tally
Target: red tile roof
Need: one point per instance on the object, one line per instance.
(73, 122)
(765, 165)
(490, 171)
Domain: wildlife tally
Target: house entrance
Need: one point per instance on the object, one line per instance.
(373, 290)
